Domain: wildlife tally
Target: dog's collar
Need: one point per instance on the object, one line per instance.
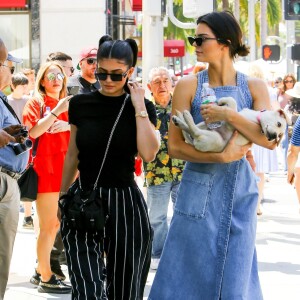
(258, 117)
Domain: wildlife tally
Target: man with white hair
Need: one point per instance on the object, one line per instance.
(163, 175)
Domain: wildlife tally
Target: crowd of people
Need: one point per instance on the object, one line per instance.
(92, 126)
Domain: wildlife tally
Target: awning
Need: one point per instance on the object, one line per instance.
(174, 48)
(12, 3)
(136, 5)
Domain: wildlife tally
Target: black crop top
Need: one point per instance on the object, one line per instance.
(94, 115)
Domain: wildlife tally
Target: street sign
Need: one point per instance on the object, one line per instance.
(271, 52)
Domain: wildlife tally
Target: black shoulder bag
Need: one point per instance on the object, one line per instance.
(83, 210)
(28, 182)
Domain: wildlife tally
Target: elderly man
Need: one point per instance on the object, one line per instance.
(11, 165)
(86, 81)
(163, 175)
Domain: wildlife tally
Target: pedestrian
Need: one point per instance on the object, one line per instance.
(127, 240)
(46, 117)
(11, 166)
(64, 59)
(265, 159)
(57, 255)
(30, 73)
(210, 251)
(164, 173)
(284, 100)
(86, 80)
(293, 158)
(17, 100)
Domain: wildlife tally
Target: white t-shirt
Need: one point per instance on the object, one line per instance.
(18, 105)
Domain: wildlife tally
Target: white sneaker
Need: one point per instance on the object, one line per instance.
(154, 263)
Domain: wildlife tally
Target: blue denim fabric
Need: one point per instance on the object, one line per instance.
(209, 253)
(158, 197)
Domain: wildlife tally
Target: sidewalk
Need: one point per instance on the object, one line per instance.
(278, 249)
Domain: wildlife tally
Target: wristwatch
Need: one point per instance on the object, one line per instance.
(142, 114)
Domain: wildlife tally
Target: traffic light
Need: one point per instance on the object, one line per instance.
(292, 9)
(271, 52)
(295, 53)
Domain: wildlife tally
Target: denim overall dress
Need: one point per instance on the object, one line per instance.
(210, 251)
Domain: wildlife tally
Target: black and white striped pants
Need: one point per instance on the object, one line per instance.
(127, 246)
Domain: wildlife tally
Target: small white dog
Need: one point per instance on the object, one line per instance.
(273, 125)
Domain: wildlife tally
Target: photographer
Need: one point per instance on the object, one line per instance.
(11, 165)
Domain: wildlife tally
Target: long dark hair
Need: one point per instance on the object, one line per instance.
(225, 27)
(126, 51)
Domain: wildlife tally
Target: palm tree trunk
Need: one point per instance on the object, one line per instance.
(237, 9)
(263, 22)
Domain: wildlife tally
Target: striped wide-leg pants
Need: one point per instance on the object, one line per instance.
(127, 247)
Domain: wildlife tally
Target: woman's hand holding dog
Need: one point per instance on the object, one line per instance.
(213, 113)
(232, 151)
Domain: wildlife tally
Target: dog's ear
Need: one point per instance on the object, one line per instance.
(283, 114)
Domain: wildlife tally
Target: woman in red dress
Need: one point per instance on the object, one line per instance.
(46, 116)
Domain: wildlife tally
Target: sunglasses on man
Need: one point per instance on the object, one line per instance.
(199, 40)
(71, 69)
(113, 77)
(12, 69)
(91, 61)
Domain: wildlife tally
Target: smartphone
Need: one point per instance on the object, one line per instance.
(73, 90)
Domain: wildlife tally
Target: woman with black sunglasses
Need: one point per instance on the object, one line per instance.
(210, 248)
(126, 243)
(285, 102)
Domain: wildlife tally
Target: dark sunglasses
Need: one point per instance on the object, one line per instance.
(91, 61)
(113, 77)
(199, 40)
(71, 69)
(288, 81)
(12, 69)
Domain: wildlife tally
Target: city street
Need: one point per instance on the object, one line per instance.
(278, 248)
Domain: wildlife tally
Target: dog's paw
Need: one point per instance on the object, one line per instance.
(175, 120)
(227, 101)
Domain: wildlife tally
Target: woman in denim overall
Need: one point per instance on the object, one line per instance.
(210, 251)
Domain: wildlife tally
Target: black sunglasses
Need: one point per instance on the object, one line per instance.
(199, 40)
(91, 61)
(71, 69)
(113, 77)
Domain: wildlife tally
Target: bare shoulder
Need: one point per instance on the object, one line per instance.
(256, 85)
(186, 88)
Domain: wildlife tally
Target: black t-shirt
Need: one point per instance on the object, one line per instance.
(94, 116)
(84, 85)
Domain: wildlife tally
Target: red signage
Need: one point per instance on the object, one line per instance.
(136, 5)
(12, 3)
(174, 48)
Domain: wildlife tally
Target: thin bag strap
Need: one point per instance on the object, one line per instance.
(108, 144)
(36, 141)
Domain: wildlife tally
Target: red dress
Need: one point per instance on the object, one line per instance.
(52, 147)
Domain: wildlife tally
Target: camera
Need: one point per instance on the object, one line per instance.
(21, 147)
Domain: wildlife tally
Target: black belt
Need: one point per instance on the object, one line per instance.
(12, 174)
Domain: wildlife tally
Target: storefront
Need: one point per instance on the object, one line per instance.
(15, 29)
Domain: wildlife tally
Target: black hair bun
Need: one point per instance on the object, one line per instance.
(105, 38)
